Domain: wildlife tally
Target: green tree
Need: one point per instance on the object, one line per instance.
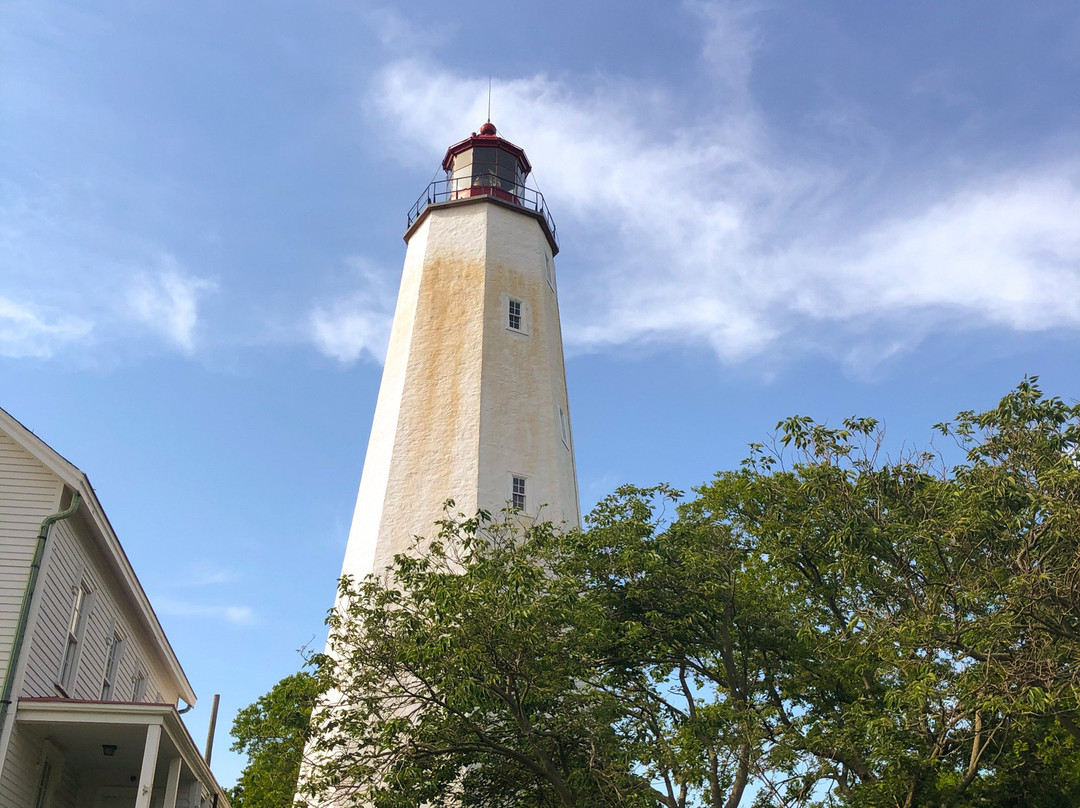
(686, 636)
(820, 627)
(1021, 500)
(272, 732)
(466, 677)
(860, 631)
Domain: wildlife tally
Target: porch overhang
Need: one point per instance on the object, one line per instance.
(121, 745)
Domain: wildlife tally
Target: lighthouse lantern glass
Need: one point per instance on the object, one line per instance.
(486, 170)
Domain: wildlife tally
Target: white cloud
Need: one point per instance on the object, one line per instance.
(240, 615)
(729, 40)
(701, 230)
(202, 574)
(166, 302)
(346, 331)
(236, 614)
(1007, 253)
(355, 323)
(72, 281)
(25, 333)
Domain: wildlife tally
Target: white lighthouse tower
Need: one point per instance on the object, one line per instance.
(473, 404)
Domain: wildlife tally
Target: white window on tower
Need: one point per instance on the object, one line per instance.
(517, 493)
(76, 626)
(516, 316)
(549, 271)
(112, 660)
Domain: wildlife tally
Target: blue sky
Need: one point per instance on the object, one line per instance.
(764, 209)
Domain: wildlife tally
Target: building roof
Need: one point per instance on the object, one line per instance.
(487, 136)
(111, 551)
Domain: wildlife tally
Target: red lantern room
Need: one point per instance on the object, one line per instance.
(485, 164)
(484, 167)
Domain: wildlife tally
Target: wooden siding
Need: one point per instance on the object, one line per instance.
(28, 493)
(20, 771)
(70, 564)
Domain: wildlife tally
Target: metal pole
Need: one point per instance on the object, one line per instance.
(210, 730)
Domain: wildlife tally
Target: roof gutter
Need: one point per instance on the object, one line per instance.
(28, 597)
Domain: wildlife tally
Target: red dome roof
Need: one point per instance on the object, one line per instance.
(487, 136)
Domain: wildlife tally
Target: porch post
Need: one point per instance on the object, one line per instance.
(149, 763)
(195, 794)
(172, 785)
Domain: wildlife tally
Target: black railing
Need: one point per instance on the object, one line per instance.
(495, 187)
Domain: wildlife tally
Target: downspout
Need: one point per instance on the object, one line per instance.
(24, 610)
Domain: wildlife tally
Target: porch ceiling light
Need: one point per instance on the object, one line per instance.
(109, 749)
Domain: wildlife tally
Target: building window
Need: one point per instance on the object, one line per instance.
(42, 797)
(50, 772)
(138, 691)
(517, 493)
(111, 663)
(564, 431)
(516, 314)
(549, 271)
(76, 626)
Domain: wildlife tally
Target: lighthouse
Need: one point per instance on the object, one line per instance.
(473, 403)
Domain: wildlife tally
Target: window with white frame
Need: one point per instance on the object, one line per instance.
(50, 771)
(549, 271)
(41, 798)
(138, 689)
(516, 314)
(517, 493)
(112, 661)
(76, 627)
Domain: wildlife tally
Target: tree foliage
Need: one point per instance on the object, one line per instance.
(820, 627)
(470, 681)
(272, 732)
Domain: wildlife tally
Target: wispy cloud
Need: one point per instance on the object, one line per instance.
(356, 322)
(70, 282)
(730, 40)
(236, 614)
(704, 230)
(202, 574)
(166, 302)
(24, 332)
(1005, 251)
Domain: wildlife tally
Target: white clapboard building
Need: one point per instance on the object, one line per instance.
(473, 404)
(90, 682)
